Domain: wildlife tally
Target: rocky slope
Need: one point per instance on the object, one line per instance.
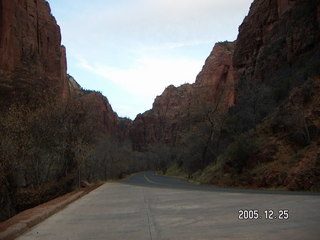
(178, 108)
(276, 60)
(278, 48)
(290, 153)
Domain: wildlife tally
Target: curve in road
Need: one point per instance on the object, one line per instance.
(150, 179)
(150, 207)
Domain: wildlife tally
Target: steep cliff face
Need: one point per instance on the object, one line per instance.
(170, 114)
(278, 39)
(32, 60)
(30, 41)
(49, 126)
(100, 111)
(276, 63)
(216, 82)
(278, 45)
(178, 108)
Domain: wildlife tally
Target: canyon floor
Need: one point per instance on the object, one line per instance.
(147, 206)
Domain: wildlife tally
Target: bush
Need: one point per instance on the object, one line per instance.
(30, 197)
(240, 151)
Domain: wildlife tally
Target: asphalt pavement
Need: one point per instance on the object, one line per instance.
(147, 206)
(151, 179)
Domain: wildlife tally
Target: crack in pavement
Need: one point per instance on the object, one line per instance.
(147, 208)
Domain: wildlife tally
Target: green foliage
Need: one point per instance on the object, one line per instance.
(254, 104)
(176, 170)
(240, 151)
(191, 152)
(213, 172)
(280, 89)
(299, 130)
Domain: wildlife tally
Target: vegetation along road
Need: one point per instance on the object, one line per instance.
(147, 206)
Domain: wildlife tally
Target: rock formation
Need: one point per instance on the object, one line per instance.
(61, 122)
(32, 59)
(277, 39)
(278, 47)
(30, 41)
(177, 108)
(270, 76)
(101, 111)
(289, 155)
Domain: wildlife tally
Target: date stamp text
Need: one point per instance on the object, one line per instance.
(267, 214)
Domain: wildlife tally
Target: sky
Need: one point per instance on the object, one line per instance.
(131, 50)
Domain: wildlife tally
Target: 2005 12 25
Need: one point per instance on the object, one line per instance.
(268, 214)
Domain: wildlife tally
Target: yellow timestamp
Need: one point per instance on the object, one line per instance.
(267, 214)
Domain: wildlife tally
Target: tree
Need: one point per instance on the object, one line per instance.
(43, 145)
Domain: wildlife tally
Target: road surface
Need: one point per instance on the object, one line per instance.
(152, 207)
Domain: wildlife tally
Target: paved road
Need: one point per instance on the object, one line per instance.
(153, 207)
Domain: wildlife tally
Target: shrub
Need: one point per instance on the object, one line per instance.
(240, 151)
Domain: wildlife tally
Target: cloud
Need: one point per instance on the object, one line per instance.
(132, 49)
(142, 22)
(150, 76)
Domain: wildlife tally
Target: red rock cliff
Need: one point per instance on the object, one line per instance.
(278, 46)
(275, 37)
(32, 59)
(177, 108)
(100, 111)
(30, 40)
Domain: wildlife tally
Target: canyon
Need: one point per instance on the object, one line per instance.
(177, 107)
(251, 84)
(250, 119)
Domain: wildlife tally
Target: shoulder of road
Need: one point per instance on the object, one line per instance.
(25, 220)
(22, 222)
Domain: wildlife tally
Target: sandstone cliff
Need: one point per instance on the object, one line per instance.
(178, 108)
(30, 45)
(278, 46)
(277, 66)
(279, 39)
(265, 87)
(51, 129)
(32, 60)
(101, 111)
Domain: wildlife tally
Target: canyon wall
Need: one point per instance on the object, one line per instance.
(53, 132)
(30, 42)
(32, 60)
(277, 45)
(278, 49)
(278, 39)
(264, 85)
(247, 90)
(178, 108)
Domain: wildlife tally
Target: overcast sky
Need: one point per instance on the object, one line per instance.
(130, 50)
